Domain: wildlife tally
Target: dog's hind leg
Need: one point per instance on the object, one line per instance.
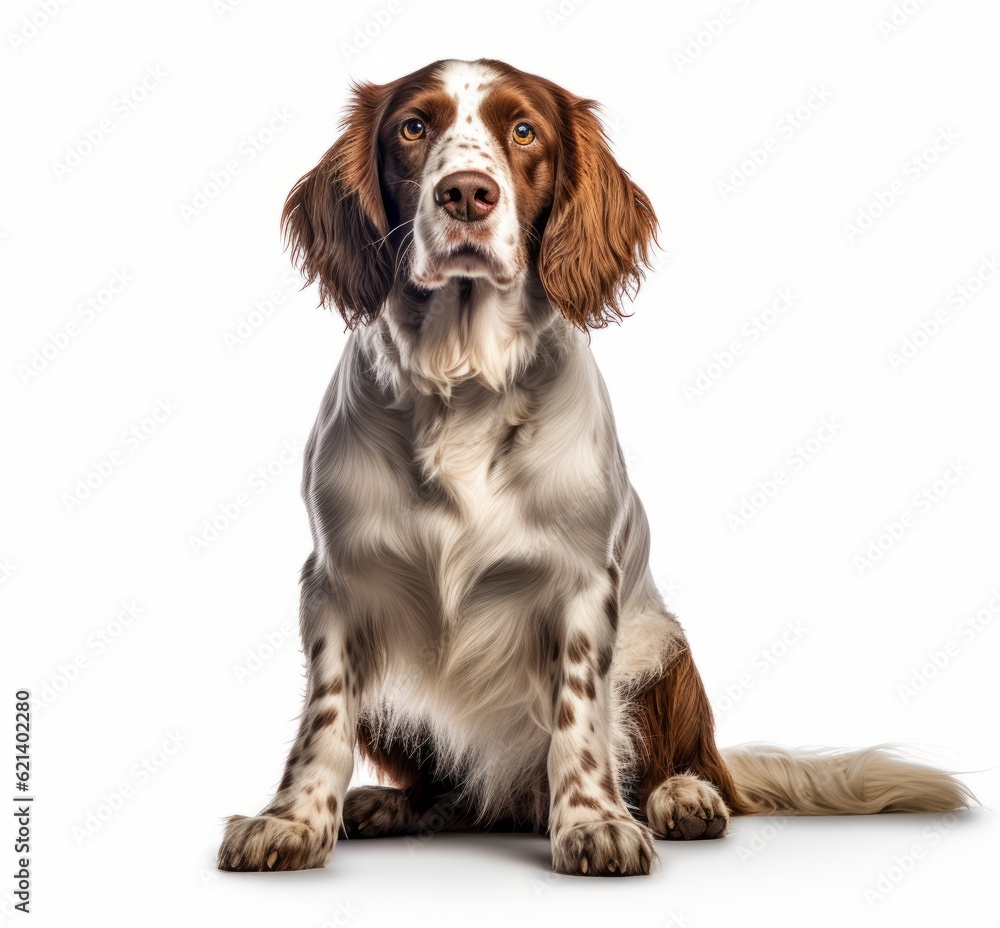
(686, 790)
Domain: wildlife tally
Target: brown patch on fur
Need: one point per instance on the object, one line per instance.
(583, 801)
(611, 611)
(677, 733)
(588, 762)
(571, 780)
(279, 809)
(578, 647)
(604, 660)
(566, 715)
(323, 719)
(317, 649)
(582, 687)
(331, 804)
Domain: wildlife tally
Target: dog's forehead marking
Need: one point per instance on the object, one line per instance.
(468, 141)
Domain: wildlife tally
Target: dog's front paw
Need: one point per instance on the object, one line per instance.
(376, 811)
(267, 842)
(619, 847)
(684, 807)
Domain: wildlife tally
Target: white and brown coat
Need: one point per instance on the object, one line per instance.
(478, 611)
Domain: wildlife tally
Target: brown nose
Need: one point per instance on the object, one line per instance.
(467, 195)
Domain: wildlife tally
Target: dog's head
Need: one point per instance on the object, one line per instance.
(470, 170)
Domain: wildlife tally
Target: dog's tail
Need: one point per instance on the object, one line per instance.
(772, 780)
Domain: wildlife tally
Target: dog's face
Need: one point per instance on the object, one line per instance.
(470, 162)
(470, 170)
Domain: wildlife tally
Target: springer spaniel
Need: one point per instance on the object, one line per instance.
(478, 613)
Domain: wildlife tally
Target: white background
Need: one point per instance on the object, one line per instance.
(215, 77)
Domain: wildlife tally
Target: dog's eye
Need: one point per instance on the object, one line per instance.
(412, 129)
(523, 134)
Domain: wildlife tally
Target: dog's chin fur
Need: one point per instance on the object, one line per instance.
(468, 329)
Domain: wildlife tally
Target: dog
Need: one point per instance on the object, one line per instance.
(478, 614)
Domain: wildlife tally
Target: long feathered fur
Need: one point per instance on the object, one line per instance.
(478, 612)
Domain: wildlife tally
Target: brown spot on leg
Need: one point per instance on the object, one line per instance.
(604, 660)
(317, 649)
(323, 719)
(334, 688)
(571, 780)
(611, 611)
(331, 804)
(578, 647)
(566, 715)
(587, 761)
(615, 575)
(279, 809)
(583, 801)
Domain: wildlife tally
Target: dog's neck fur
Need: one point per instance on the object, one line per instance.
(469, 333)
(469, 364)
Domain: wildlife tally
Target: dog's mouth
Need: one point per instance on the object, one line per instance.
(468, 260)
(464, 260)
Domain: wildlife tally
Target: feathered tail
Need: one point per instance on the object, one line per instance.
(828, 781)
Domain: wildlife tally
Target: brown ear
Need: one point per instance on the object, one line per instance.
(601, 228)
(335, 221)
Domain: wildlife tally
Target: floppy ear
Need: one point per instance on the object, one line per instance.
(601, 229)
(334, 219)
